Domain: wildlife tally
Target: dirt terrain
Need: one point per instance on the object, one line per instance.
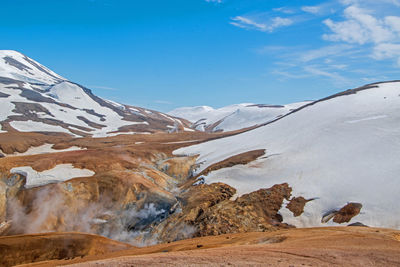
(331, 246)
(21, 249)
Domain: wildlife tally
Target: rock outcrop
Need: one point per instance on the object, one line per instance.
(208, 210)
(346, 213)
(297, 204)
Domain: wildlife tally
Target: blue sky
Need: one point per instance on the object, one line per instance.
(163, 54)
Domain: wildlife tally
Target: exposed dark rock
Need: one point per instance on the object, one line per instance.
(346, 213)
(90, 123)
(242, 158)
(35, 96)
(7, 81)
(358, 224)
(327, 216)
(40, 68)
(208, 210)
(29, 110)
(15, 63)
(296, 205)
(92, 112)
(265, 106)
(3, 95)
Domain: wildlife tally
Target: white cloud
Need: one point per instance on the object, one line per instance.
(164, 102)
(251, 24)
(214, 1)
(395, 2)
(247, 23)
(378, 2)
(393, 22)
(361, 26)
(279, 22)
(312, 71)
(290, 75)
(387, 50)
(319, 72)
(323, 52)
(103, 87)
(284, 10)
(311, 9)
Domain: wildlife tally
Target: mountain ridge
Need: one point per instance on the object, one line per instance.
(34, 96)
(233, 117)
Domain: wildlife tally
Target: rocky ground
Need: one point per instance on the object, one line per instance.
(143, 195)
(333, 246)
(140, 193)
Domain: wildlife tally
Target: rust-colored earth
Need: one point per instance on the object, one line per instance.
(330, 246)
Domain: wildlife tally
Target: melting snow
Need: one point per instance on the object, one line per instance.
(35, 126)
(43, 149)
(320, 156)
(60, 173)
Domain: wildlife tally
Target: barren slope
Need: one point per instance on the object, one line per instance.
(333, 246)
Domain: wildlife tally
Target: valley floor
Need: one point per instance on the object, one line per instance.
(330, 246)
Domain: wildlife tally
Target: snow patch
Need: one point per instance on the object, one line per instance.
(43, 149)
(35, 126)
(322, 157)
(60, 173)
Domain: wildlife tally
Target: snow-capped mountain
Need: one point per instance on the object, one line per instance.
(34, 98)
(233, 117)
(340, 149)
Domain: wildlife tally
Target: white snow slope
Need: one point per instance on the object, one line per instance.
(59, 173)
(341, 149)
(233, 117)
(49, 102)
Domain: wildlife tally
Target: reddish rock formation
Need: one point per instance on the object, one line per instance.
(297, 204)
(208, 210)
(242, 158)
(346, 213)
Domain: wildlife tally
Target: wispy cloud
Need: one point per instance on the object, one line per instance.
(324, 52)
(267, 26)
(285, 10)
(290, 75)
(359, 27)
(385, 51)
(356, 32)
(319, 72)
(311, 9)
(362, 26)
(103, 87)
(164, 102)
(326, 8)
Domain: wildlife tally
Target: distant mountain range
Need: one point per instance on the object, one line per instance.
(233, 117)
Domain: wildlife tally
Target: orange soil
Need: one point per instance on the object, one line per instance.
(21, 249)
(331, 246)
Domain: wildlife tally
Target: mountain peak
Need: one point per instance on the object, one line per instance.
(17, 66)
(37, 99)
